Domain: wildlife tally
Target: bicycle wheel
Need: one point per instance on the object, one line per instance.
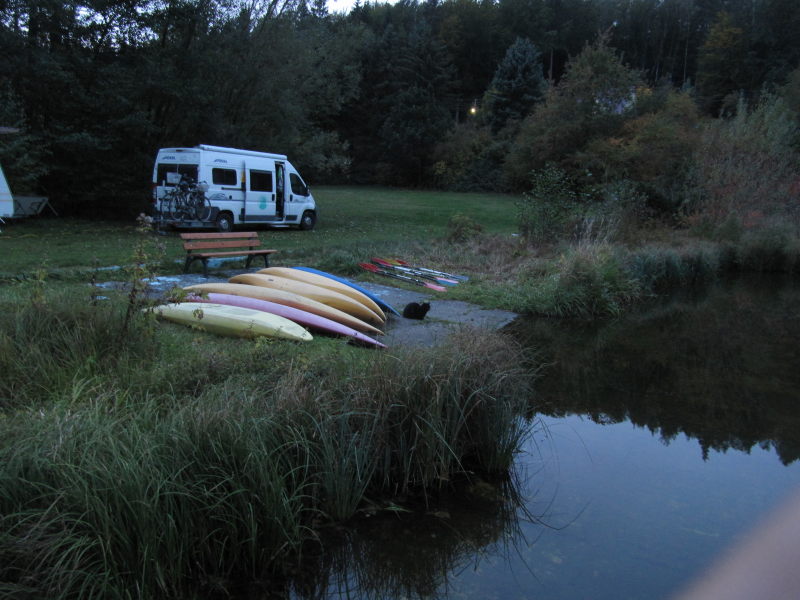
(202, 207)
(168, 207)
(183, 207)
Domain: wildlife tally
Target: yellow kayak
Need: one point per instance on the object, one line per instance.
(325, 282)
(315, 292)
(287, 299)
(232, 320)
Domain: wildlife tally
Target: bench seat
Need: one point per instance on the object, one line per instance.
(202, 246)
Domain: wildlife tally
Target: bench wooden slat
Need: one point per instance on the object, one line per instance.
(234, 253)
(245, 242)
(221, 244)
(217, 236)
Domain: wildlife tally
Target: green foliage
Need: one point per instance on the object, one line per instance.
(118, 493)
(658, 269)
(747, 166)
(468, 159)
(653, 148)
(462, 228)
(22, 156)
(592, 101)
(517, 85)
(587, 281)
(721, 66)
(55, 342)
(550, 210)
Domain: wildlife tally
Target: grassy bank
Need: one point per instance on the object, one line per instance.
(140, 461)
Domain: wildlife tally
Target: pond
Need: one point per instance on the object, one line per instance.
(659, 440)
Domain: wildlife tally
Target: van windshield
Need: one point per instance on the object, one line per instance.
(180, 169)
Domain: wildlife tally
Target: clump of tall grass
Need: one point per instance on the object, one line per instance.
(658, 268)
(586, 281)
(50, 340)
(113, 494)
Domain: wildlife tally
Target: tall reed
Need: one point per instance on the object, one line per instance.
(114, 492)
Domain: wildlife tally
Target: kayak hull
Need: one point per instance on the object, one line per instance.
(233, 321)
(287, 299)
(315, 292)
(382, 304)
(325, 282)
(300, 317)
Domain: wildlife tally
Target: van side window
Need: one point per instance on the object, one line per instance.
(223, 177)
(261, 181)
(298, 187)
(164, 168)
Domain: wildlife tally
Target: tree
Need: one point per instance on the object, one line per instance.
(517, 85)
(593, 100)
(720, 69)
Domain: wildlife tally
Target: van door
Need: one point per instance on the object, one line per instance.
(280, 186)
(259, 194)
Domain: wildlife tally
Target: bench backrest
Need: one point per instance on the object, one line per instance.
(236, 239)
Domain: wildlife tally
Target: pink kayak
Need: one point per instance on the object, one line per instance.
(293, 314)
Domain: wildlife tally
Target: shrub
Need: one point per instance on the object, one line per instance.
(549, 211)
(747, 166)
(653, 149)
(589, 281)
(462, 228)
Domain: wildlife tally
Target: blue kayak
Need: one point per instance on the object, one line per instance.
(355, 286)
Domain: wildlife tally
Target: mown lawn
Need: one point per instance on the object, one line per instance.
(350, 218)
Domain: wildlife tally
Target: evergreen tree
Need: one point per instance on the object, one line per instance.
(720, 69)
(517, 85)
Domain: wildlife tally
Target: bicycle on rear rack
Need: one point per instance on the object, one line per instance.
(186, 201)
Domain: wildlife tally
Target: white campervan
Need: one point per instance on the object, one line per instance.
(243, 186)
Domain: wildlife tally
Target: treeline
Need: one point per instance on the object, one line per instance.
(459, 94)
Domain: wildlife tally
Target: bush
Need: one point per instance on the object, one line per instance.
(653, 149)
(549, 211)
(586, 282)
(462, 228)
(747, 166)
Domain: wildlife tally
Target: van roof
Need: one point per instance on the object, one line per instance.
(225, 150)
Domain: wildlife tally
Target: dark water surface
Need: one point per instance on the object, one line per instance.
(661, 439)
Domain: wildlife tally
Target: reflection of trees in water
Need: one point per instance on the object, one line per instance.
(413, 555)
(722, 368)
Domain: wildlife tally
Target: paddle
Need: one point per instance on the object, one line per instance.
(379, 271)
(415, 272)
(403, 263)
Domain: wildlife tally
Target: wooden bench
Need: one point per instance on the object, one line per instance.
(202, 246)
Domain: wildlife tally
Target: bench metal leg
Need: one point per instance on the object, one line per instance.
(191, 259)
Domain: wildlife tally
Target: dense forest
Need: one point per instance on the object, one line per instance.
(453, 94)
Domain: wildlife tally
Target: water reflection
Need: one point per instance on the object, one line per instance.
(626, 515)
(720, 366)
(415, 554)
